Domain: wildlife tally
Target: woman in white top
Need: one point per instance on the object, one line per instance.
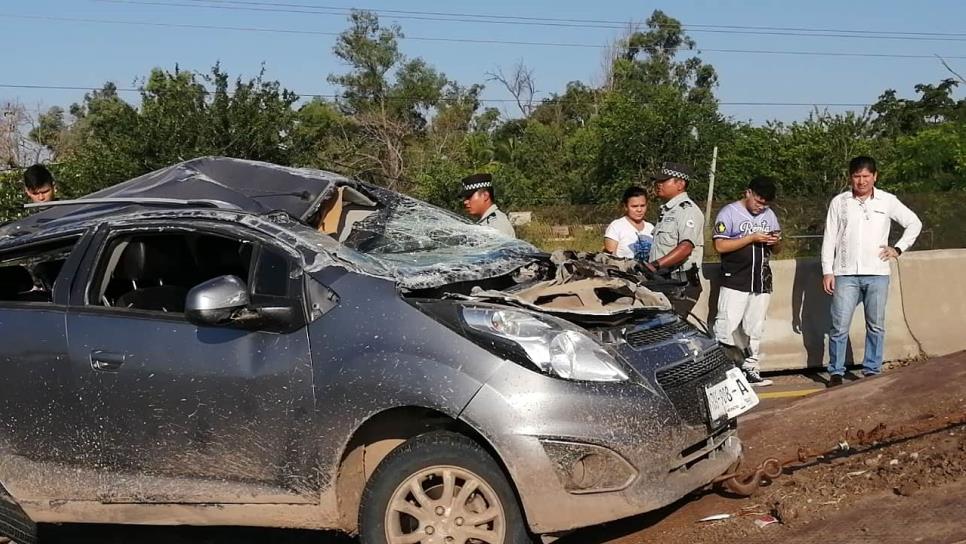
(630, 236)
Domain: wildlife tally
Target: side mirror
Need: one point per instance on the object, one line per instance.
(216, 300)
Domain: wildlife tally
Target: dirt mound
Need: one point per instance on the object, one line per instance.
(908, 490)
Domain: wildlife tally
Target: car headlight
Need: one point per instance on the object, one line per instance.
(553, 345)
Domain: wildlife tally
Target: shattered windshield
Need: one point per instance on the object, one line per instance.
(418, 240)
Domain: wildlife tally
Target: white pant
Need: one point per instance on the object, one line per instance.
(740, 322)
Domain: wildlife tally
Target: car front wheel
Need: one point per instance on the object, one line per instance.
(440, 488)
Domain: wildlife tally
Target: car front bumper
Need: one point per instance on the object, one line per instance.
(580, 454)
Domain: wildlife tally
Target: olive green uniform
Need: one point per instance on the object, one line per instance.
(498, 220)
(681, 221)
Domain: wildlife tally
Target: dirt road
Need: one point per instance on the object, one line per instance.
(912, 490)
(907, 491)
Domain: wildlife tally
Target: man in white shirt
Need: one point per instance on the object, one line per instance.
(855, 262)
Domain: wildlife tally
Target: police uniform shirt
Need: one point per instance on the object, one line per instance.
(681, 221)
(747, 269)
(498, 220)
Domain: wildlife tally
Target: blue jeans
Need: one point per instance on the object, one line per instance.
(872, 292)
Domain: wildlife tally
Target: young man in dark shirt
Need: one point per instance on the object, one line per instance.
(39, 184)
(746, 233)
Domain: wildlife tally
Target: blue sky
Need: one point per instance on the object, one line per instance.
(74, 53)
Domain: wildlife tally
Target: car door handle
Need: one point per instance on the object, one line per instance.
(106, 361)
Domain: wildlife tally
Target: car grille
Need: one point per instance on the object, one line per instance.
(684, 384)
(688, 371)
(657, 334)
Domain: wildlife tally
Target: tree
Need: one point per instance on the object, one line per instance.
(649, 60)
(13, 117)
(371, 51)
(182, 115)
(452, 147)
(935, 105)
(171, 124)
(385, 114)
(17, 149)
(932, 159)
(49, 129)
(253, 119)
(809, 158)
(319, 126)
(660, 108)
(574, 108)
(399, 122)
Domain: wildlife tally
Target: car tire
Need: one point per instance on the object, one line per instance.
(435, 485)
(15, 525)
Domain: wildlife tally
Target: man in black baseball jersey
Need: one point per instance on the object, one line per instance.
(746, 233)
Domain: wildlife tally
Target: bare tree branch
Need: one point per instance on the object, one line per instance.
(390, 135)
(613, 52)
(520, 83)
(15, 148)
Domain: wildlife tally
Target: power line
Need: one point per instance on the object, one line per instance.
(231, 5)
(826, 53)
(620, 24)
(342, 12)
(287, 31)
(330, 96)
(190, 26)
(404, 99)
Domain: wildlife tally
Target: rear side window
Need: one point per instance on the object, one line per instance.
(30, 274)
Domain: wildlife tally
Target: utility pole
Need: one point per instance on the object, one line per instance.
(707, 205)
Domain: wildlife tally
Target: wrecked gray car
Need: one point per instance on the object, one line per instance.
(224, 342)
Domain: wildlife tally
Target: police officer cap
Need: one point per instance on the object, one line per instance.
(672, 170)
(474, 183)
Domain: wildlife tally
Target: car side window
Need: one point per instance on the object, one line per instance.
(155, 271)
(29, 274)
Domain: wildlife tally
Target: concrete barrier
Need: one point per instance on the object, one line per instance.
(796, 330)
(934, 298)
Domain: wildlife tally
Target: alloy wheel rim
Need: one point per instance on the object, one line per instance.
(445, 505)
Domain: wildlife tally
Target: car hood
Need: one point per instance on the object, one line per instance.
(582, 287)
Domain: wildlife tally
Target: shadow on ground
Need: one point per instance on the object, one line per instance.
(121, 534)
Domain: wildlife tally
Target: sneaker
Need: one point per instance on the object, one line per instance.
(834, 380)
(754, 378)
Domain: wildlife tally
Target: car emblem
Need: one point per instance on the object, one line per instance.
(691, 345)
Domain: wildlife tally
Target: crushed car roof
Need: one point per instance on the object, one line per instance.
(409, 241)
(255, 187)
(413, 243)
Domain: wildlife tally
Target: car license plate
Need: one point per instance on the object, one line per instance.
(731, 397)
